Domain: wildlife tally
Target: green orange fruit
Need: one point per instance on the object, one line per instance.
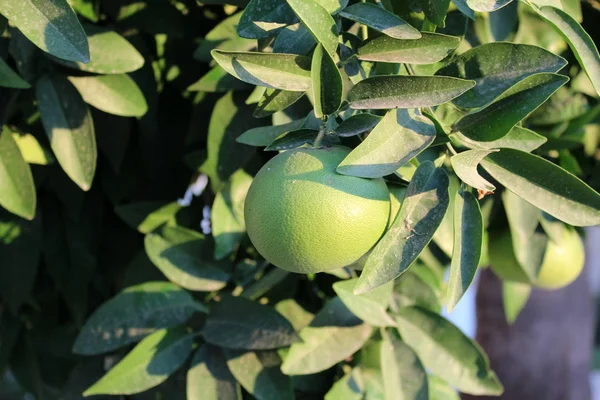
(302, 216)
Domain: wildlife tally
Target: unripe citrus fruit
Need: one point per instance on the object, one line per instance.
(302, 216)
(562, 262)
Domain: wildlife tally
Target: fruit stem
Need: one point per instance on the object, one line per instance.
(319, 138)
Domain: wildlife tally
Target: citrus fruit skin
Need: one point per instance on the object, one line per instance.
(563, 261)
(302, 216)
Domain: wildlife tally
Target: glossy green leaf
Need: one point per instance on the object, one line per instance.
(400, 135)
(435, 10)
(404, 376)
(430, 48)
(224, 37)
(70, 129)
(51, 25)
(420, 214)
(333, 7)
(318, 21)
(227, 214)
(239, 323)
(514, 299)
(334, 334)
(383, 92)
(465, 166)
(528, 244)
(468, 241)
(9, 78)
(518, 138)
(497, 119)
(209, 378)
(496, 67)
(546, 186)
(349, 387)
(259, 373)
(148, 365)
(20, 251)
(147, 216)
(265, 135)
(327, 86)
(182, 262)
(17, 190)
(357, 124)
(110, 53)
(447, 352)
(262, 18)
(370, 307)
(114, 94)
(440, 390)
(217, 80)
(274, 100)
(277, 71)
(580, 42)
(293, 139)
(294, 39)
(133, 314)
(381, 20)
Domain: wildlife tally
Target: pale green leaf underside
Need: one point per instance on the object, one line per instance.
(428, 49)
(381, 20)
(370, 307)
(404, 376)
(465, 166)
(518, 138)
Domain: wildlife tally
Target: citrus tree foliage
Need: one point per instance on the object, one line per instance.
(481, 115)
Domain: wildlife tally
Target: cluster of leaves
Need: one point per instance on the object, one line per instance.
(111, 289)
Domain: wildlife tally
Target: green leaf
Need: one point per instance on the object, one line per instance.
(132, 314)
(465, 166)
(483, 5)
(51, 25)
(31, 149)
(383, 92)
(217, 80)
(262, 18)
(413, 289)
(370, 307)
(400, 136)
(514, 299)
(209, 378)
(430, 48)
(147, 216)
(349, 387)
(420, 214)
(528, 244)
(182, 262)
(318, 21)
(518, 138)
(546, 186)
(468, 241)
(114, 94)
(10, 79)
(274, 100)
(70, 129)
(381, 20)
(20, 250)
(17, 190)
(294, 39)
(435, 10)
(515, 104)
(357, 124)
(580, 42)
(239, 323)
(85, 8)
(277, 71)
(293, 139)
(265, 135)
(149, 364)
(327, 86)
(259, 373)
(333, 7)
(564, 105)
(447, 352)
(224, 37)
(440, 390)
(496, 67)
(294, 313)
(227, 214)
(334, 334)
(110, 53)
(404, 376)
